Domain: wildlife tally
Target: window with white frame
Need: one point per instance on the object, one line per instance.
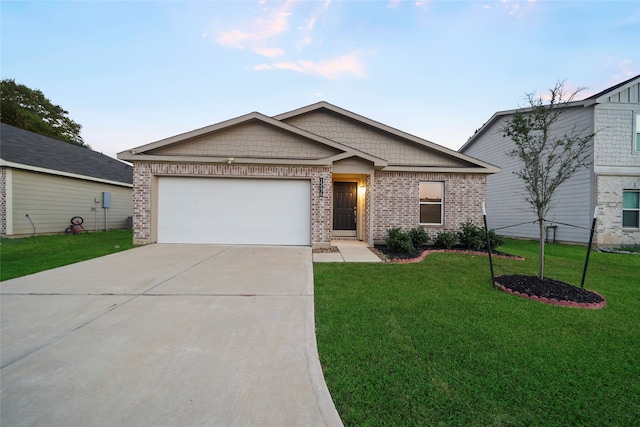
(631, 209)
(431, 206)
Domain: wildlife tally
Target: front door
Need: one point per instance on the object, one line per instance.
(345, 197)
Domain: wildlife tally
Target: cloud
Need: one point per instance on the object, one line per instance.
(329, 69)
(262, 30)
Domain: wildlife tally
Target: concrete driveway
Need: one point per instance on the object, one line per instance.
(165, 335)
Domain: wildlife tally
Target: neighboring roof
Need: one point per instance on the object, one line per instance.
(593, 99)
(19, 147)
(619, 86)
(146, 152)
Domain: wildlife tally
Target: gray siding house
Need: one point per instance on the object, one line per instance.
(612, 182)
(45, 182)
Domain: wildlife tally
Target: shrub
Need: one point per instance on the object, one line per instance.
(471, 236)
(446, 239)
(495, 240)
(399, 241)
(418, 237)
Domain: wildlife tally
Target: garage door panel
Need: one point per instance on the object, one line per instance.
(234, 211)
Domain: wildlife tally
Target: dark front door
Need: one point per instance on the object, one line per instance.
(345, 195)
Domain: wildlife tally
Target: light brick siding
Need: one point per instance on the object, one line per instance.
(3, 201)
(142, 178)
(397, 200)
(609, 231)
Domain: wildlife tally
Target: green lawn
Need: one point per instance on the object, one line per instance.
(19, 257)
(433, 344)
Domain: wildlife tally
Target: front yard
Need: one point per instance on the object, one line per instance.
(19, 257)
(433, 344)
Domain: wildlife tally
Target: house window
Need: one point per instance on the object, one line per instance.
(631, 209)
(637, 141)
(431, 202)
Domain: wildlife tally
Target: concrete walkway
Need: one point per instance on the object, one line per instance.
(165, 335)
(349, 251)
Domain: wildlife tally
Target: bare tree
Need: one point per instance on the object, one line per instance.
(549, 155)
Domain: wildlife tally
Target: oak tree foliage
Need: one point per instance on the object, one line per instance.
(29, 109)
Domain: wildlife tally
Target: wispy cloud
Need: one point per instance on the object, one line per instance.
(330, 69)
(262, 30)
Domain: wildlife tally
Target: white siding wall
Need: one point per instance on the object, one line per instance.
(51, 201)
(506, 203)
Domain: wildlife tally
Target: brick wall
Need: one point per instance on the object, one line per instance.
(609, 231)
(143, 172)
(397, 200)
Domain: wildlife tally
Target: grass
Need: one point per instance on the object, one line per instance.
(19, 257)
(433, 344)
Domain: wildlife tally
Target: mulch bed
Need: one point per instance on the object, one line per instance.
(386, 255)
(550, 291)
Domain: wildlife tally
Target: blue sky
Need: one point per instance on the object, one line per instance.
(134, 72)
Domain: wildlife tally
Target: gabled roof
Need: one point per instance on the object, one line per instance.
(599, 97)
(387, 129)
(154, 152)
(28, 150)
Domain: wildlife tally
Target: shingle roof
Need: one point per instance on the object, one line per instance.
(28, 148)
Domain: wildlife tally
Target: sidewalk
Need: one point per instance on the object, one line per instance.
(349, 251)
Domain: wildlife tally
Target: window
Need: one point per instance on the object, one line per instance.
(637, 133)
(631, 209)
(431, 202)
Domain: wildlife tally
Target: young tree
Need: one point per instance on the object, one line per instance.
(549, 155)
(29, 109)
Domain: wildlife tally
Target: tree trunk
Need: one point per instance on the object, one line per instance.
(541, 255)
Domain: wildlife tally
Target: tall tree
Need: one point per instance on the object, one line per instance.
(549, 153)
(29, 109)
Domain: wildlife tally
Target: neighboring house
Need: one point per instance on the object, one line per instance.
(45, 182)
(300, 178)
(612, 182)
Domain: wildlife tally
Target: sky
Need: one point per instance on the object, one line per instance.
(134, 72)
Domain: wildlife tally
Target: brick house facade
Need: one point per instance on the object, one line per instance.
(320, 145)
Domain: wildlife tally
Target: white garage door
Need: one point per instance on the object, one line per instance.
(234, 211)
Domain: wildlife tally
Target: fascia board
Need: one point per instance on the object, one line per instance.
(236, 160)
(443, 169)
(377, 162)
(4, 163)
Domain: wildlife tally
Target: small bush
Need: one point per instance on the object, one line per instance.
(399, 241)
(495, 240)
(418, 237)
(471, 236)
(446, 239)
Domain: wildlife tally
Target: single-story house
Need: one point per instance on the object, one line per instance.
(611, 182)
(45, 182)
(303, 177)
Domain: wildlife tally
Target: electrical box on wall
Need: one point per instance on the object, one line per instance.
(106, 200)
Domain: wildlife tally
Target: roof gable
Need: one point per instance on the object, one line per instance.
(304, 136)
(253, 138)
(22, 147)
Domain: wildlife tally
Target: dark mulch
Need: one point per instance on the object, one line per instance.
(415, 254)
(548, 288)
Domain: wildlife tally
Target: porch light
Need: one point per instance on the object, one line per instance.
(363, 189)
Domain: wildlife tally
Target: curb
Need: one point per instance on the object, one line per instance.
(552, 301)
(436, 251)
